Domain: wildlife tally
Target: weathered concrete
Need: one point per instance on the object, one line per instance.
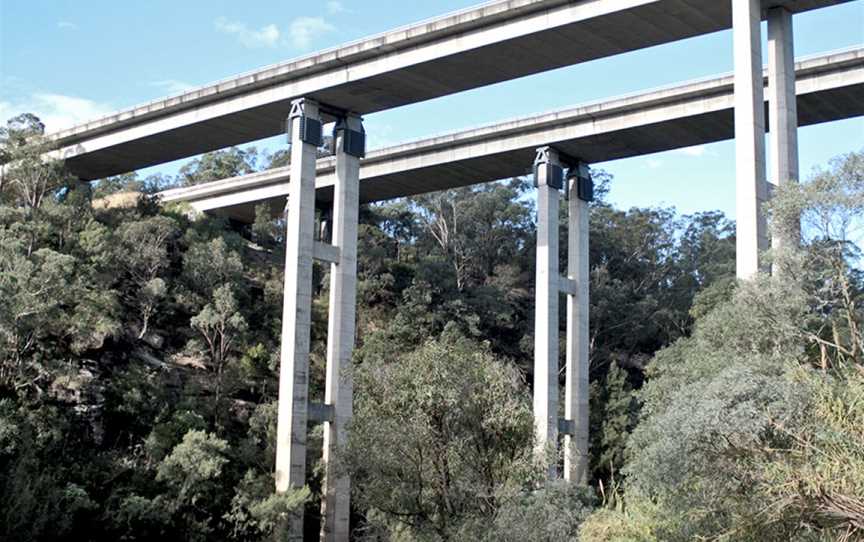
(576, 377)
(829, 87)
(494, 42)
(782, 113)
(335, 506)
(751, 189)
(296, 314)
(547, 287)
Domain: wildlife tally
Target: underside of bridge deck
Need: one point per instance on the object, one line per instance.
(830, 87)
(495, 42)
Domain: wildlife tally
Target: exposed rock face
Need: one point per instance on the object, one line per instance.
(155, 340)
(120, 200)
(84, 392)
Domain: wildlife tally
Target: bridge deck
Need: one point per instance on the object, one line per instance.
(829, 87)
(494, 42)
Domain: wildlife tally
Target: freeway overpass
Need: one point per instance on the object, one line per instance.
(829, 87)
(493, 42)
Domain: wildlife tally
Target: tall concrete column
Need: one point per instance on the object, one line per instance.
(580, 191)
(783, 113)
(350, 147)
(305, 130)
(548, 176)
(751, 187)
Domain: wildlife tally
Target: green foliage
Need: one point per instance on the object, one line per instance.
(168, 433)
(553, 512)
(831, 207)
(46, 304)
(109, 429)
(820, 476)
(257, 513)
(139, 352)
(440, 437)
(220, 324)
(143, 253)
(41, 496)
(751, 427)
(218, 165)
(193, 465)
(128, 182)
(615, 411)
(641, 521)
(140, 518)
(208, 264)
(28, 177)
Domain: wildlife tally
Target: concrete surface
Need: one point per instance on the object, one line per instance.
(829, 87)
(296, 319)
(493, 42)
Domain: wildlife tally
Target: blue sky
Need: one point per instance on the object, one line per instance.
(70, 60)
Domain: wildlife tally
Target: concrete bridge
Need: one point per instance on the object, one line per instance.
(490, 43)
(829, 87)
(494, 42)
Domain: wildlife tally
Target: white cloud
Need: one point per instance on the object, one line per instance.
(172, 86)
(654, 163)
(266, 36)
(303, 30)
(66, 25)
(57, 111)
(698, 150)
(334, 7)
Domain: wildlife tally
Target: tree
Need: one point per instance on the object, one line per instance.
(476, 228)
(144, 254)
(218, 165)
(831, 210)
(221, 326)
(266, 231)
(553, 512)
(749, 427)
(45, 307)
(92, 421)
(194, 471)
(127, 182)
(28, 174)
(440, 437)
(615, 411)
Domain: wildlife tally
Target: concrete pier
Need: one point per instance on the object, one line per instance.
(463, 50)
(297, 308)
(576, 378)
(751, 186)
(350, 146)
(548, 176)
(783, 113)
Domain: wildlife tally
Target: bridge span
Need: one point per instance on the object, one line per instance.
(494, 42)
(829, 87)
(490, 43)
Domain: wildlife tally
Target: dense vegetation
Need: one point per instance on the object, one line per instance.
(139, 351)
